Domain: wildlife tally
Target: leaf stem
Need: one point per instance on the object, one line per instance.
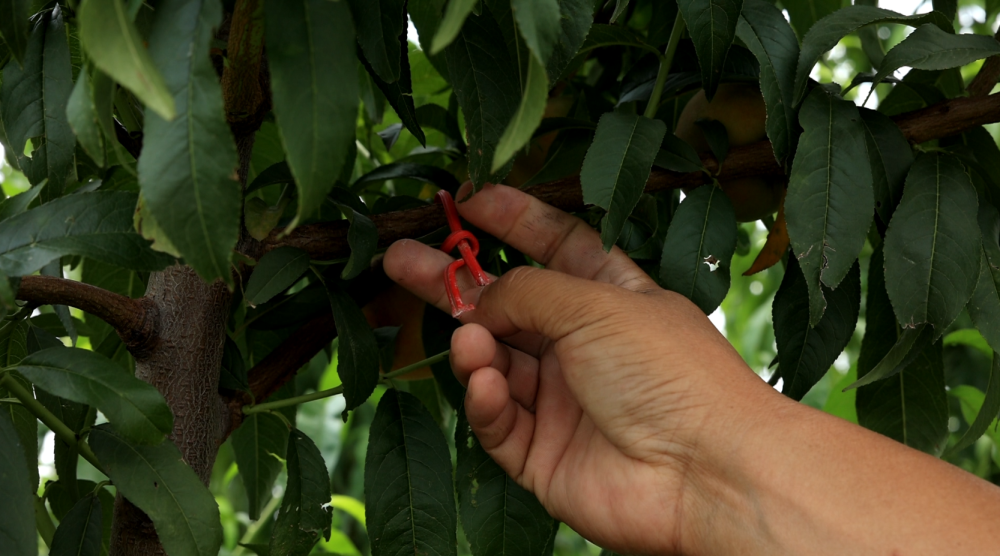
(418, 365)
(665, 62)
(45, 416)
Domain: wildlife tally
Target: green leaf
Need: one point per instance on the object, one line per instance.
(620, 7)
(408, 170)
(890, 157)
(12, 206)
(538, 21)
(930, 48)
(805, 13)
(316, 95)
(984, 306)
(910, 405)
(399, 93)
(829, 205)
(15, 26)
(932, 244)
(158, 482)
(13, 347)
(698, 249)
(988, 411)
(33, 105)
(304, 515)
(485, 80)
(617, 165)
(451, 23)
(276, 271)
(82, 116)
(712, 26)
(187, 167)
(498, 516)
(260, 445)
(362, 236)
(136, 408)
(908, 343)
(968, 337)
(829, 30)
(380, 24)
(677, 155)
(806, 352)
(529, 114)
(233, 374)
(357, 360)
(766, 33)
(79, 532)
(114, 45)
(601, 36)
(96, 225)
(576, 18)
(409, 502)
(17, 523)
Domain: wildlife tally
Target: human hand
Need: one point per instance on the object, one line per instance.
(589, 384)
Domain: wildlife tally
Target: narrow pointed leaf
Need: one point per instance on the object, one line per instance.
(601, 35)
(33, 105)
(677, 155)
(13, 347)
(988, 411)
(362, 237)
(805, 13)
(766, 33)
(258, 444)
(984, 306)
(399, 93)
(712, 26)
(617, 166)
(499, 517)
(486, 86)
(380, 23)
(136, 408)
(529, 114)
(275, 272)
(910, 405)
(311, 55)
(96, 225)
(451, 23)
(806, 352)
(409, 502)
(15, 27)
(576, 18)
(114, 45)
(933, 243)
(304, 515)
(930, 48)
(187, 170)
(17, 523)
(82, 116)
(890, 157)
(409, 170)
(908, 344)
(699, 247)
(158, 482)
(829, 205)
(357, 362)
(79, 532)
(829, 30)
(538, 21)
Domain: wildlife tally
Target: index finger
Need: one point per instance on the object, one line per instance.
(548, 235)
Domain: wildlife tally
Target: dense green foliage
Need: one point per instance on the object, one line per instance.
(881, 305)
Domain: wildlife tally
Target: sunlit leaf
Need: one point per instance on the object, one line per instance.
(451, 23)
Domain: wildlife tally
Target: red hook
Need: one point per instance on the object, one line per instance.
(468, 247)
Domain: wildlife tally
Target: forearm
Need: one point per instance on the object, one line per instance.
(794, 480)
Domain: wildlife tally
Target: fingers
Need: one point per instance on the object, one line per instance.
(548, 235)
(504, 428)
(473, 347)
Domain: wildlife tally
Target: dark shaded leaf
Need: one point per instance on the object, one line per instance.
(890, 157)
(805, 13)
(79, 532)
(114, 45)
(698, 249)
(766, 33)
(136, 408)
(258, 444)
(677, 155)
(930, 48)
(436, 329)
(33, 105)
(576, 19)
(17, 523)
(437, 117)
(485, 81)
(829, 205)
(380, 24)
(276, 271)
(498, 516)
(399, 93)
(13, 347)
(408, 170)
(315, 97)
(158, 482)
(988, 411)
(15, 27)
(362, 236)
(409, 505)
(357, 363)
(187, 167)
(617, 165)
(81, 113)
(304, 515)
(932, 244)
(717, 138)
(273, 174)
(806, 352)
(14, 205)
(233, 375)
(712, 28)
(601, 35)
(984, 306)
(529, 114)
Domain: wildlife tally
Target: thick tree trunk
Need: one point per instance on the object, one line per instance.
(184, 367)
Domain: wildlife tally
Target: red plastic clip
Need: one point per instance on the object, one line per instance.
(468, 247)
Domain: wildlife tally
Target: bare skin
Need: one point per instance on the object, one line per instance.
(635, 422)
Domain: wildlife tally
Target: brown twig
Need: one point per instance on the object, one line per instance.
(328, 241)
(135, 320)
